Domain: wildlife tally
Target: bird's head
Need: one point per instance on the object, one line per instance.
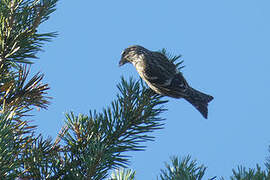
(132, 54)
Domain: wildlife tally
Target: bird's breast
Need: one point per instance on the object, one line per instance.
(140, 67)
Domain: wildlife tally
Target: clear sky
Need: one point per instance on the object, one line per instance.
(225, 48)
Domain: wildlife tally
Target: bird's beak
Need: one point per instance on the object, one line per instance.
(122, 62)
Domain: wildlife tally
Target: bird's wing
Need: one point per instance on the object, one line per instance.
(163, 75)
(158, 70)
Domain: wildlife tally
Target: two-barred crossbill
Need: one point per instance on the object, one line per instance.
(163, 76)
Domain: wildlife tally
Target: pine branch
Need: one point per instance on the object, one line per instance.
(17, 94)
(173, 59)
(19, 43)
(19, 40)
(40, 159)
(243, 174)
(183, 169)
(123, 174)
(96, 143)
(14, 138)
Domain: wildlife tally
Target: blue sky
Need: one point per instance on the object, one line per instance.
(225, 48)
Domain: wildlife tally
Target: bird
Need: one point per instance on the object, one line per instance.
(163, 76)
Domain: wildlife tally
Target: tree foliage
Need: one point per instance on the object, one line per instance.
(123, 174)
(96, 143)
(89, 146)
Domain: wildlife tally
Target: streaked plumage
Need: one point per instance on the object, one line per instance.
(163, 77)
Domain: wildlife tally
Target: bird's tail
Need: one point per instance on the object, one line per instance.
(199, 100)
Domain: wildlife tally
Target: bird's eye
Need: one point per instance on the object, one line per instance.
(124, 53)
